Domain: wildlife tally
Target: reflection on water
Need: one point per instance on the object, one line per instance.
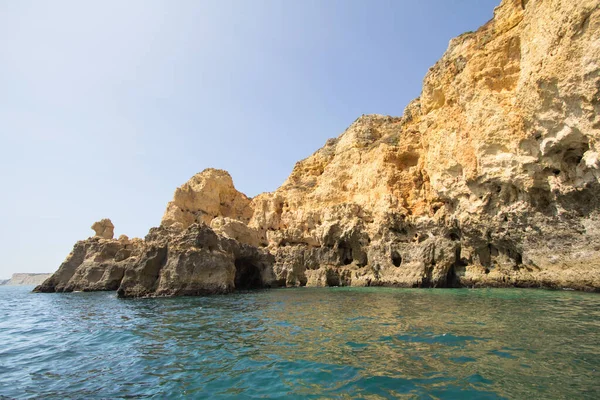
(316, 343)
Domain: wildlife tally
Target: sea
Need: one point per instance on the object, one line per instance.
(313, 343)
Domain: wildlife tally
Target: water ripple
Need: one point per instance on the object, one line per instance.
(302, 343)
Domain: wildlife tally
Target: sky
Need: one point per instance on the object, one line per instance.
(107, 106)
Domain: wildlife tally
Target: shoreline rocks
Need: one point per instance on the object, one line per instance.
(168, 262)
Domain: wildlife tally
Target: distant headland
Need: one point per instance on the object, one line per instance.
(23, 279)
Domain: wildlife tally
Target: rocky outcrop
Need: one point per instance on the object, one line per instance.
(24, 279)
(104, 228)
(168, 262)
(490, 178)
(235, 229)
(205, 196)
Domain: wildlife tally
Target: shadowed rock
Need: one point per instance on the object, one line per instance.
(169, 262)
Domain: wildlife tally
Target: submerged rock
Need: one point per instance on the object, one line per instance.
(490, 178)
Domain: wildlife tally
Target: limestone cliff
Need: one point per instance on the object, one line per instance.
(490, 178)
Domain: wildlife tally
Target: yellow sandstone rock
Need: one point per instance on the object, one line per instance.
(104, 228)
(207, 195)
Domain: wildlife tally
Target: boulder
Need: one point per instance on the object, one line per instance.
(104, 228)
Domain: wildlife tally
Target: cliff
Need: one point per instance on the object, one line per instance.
(490, 178)
(27, 279)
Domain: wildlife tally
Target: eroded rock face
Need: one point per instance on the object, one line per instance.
(205, 196)
(168, 262)
(490, 178)
(237, 230)
(94, 264)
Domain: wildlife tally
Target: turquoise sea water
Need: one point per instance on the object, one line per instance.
(302, 343)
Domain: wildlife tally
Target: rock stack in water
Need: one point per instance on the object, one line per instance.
(490, 178)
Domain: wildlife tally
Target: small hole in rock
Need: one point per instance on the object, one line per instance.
(396, 259)
(454, 236)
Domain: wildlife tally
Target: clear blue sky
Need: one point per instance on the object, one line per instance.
(107, 106)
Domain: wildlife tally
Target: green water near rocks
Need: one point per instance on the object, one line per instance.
(303, 343)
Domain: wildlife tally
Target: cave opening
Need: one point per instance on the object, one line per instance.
(345, 252)
(396, 259)
(247, 275)
(457, 270)
(454, 236)
(452, 280)
(332, 278)
(573, 156)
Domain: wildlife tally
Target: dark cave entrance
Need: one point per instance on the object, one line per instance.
(247, 275)
(456, 270)
(396, 259)
(345, 252)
